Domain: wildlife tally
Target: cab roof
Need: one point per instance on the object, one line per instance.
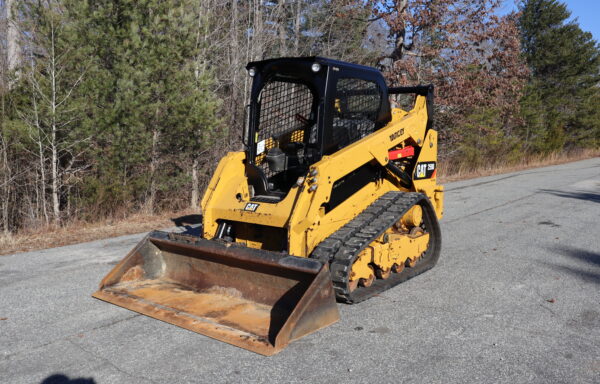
(309, 60)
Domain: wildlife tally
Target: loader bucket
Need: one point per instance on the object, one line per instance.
(253, 299)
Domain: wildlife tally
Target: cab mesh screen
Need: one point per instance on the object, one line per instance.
(285, 108)
(357, 104)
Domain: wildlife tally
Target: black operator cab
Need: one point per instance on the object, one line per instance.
(302, 109)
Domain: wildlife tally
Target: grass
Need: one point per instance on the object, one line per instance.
(449, 174)
(79, 232)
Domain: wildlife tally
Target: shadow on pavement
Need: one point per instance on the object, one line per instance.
(591, 258)
(187, 220)
(587, 196)
(62, 379)
(192, 224)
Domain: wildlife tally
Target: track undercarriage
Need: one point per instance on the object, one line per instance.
(386, 244)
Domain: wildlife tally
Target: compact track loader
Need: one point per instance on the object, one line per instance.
(334, 197)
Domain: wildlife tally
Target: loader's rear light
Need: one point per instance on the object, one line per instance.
(316, 67)
(252, 72)
(400, 153)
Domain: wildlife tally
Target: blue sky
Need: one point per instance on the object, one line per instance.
(586, 11)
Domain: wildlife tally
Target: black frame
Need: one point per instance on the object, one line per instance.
(322, 83)
(352, 71)
(421, 90)
(277, 69)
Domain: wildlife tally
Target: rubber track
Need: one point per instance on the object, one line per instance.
(343, 247)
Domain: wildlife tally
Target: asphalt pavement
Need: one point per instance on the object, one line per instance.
(515, 298)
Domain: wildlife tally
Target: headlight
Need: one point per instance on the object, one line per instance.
(252, 72)
(316, 67)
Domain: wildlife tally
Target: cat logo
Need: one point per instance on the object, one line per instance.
(425, 170)
(252, 207)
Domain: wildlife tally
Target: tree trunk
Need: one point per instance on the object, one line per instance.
(258, 37)
(4, 147)
(282, 28)
(54, 132)
(42, 177)
(55, 181)
(195, 184)
(234, 64)
(400, 33)
(153, 169)
(6, 181)
(41, 155)
(297, 27)
(13, 48)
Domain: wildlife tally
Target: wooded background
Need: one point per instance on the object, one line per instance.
(110, 107)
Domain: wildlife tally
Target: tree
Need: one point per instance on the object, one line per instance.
(565, 72)
(55, 69)
(155, 107)
(4, 166)
(109, 107)
(472, 57)
(340, 29)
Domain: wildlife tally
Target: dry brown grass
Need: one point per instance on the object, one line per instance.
(449, 174)
(78, 232)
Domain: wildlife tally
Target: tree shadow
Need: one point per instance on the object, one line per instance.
(187, 220)
(191, 224)
(587, 196)
(59, 378)
(591, 258)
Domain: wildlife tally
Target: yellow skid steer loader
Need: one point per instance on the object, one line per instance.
(334, 197)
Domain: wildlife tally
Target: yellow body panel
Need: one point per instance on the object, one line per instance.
(430, 187)
(301, 212)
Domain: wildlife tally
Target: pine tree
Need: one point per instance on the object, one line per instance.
(155, 110)
(565, 72)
